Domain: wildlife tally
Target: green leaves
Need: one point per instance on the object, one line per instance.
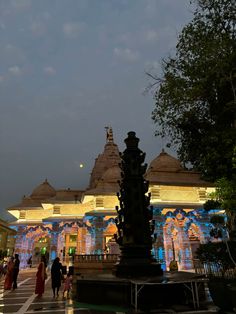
(212, 204)
(217, 253)
(196, 98)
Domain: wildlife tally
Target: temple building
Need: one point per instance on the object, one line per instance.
(67, 222)
(7, 239)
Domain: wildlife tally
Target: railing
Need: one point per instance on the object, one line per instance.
(213, 270)
(96, 258)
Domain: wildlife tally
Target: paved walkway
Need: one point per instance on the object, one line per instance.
(23, 300)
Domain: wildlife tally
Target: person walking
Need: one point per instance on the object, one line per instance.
(16, 270)
(29, 262)
(67, 286)
(9, 274)
(41, 276)
(56, 275)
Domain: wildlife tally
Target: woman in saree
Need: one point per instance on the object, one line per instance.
(41, 276)
(9, 275)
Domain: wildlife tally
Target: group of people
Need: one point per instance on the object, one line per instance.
(41, 276)
(13, 266)
(56, 278)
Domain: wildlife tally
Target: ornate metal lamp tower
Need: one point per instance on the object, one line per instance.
(134, 221)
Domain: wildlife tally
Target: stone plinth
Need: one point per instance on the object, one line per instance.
(102, 289)
(171, 290)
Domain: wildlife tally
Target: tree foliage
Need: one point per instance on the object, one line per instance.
(225, 197)
(212, 204)
(196, 97)
(217, 253)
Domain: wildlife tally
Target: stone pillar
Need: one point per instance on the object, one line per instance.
(30, 248)
(98, 225)
(19, 239)
(81, 240)
(158, 245)
(168, 247)
(54, 241)
(205, 226)
(4, 241)
(185, 249)
(67, 245)
(89, 241)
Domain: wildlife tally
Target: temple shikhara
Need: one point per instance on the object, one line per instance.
(68, 222)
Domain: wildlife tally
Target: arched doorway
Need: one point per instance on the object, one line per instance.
(110, 245)
(181, 238)
(41, 247)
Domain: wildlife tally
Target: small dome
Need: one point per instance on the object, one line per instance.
(43, 191)
(165, 162)
(112, 174)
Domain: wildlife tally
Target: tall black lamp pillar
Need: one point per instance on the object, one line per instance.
(134, 221)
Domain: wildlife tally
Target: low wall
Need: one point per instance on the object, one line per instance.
(94, 263)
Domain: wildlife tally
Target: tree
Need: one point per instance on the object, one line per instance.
(196, 97)
(225, 197)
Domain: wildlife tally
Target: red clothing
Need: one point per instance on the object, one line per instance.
(9, 276)
(40, 279)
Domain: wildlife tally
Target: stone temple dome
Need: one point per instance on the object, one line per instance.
(108, 184)
(112, 174)
(165, 162)
(167, 170)
(43, 191)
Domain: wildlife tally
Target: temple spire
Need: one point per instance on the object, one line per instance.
(109, 134)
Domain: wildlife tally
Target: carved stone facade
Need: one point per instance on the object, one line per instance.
(67, 222)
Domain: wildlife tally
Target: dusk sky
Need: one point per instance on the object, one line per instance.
(69, 68)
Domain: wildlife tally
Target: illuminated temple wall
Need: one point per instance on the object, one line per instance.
(67, 222)
(178, 232)
(87, 236)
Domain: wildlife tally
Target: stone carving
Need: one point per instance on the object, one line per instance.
(134, 221)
